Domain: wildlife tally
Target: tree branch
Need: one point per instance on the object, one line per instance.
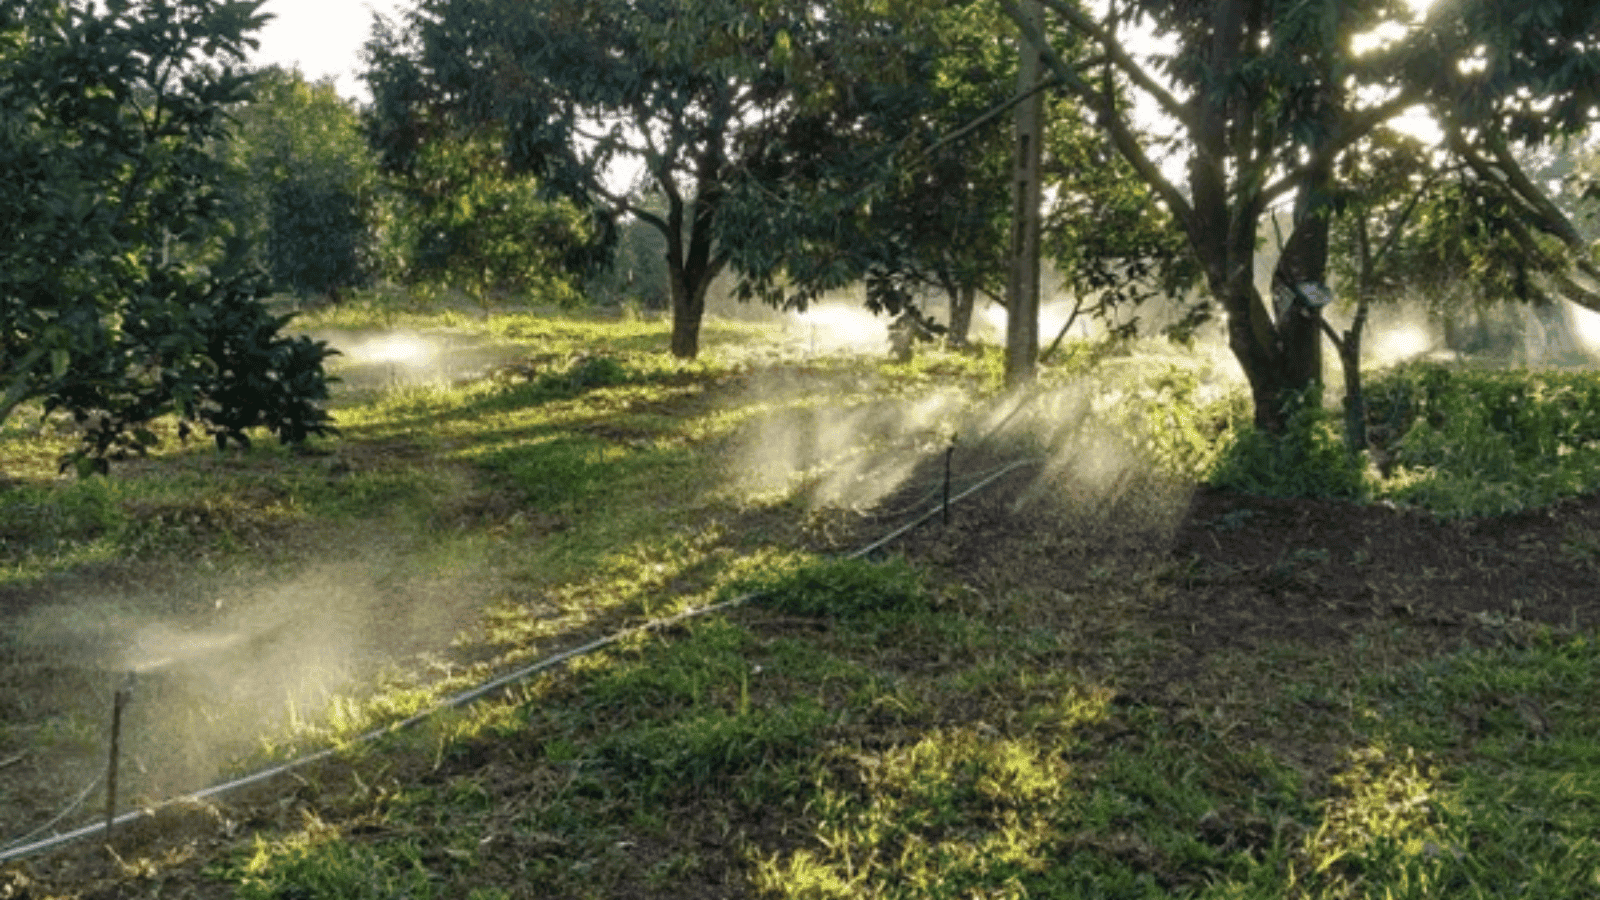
(1135, 72)
(1535, 206)
(1354, 129)
(1121, 133)
(991, 115)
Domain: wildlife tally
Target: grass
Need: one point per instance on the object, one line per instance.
(863, 729)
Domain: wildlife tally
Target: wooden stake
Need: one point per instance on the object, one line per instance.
(119, 700)
(949, 452)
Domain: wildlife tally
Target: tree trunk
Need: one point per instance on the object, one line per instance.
(1254, 341)
(688, 308)
(1355, 397)
(1304, 261)
(1022, 293)
(691, 266)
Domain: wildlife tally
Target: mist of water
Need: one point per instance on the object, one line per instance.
(370, 360)
(837, 327)
(256, 657)
(858, 445)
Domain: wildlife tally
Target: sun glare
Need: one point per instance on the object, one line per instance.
(398, 349)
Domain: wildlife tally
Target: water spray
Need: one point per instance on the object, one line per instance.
(19, 849)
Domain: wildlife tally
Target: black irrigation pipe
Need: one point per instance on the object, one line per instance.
(108, 825)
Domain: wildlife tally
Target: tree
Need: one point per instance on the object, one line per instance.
(307, 184)
(580, 86)
(1385, 182)
(904, 184)
(1267, 95)
(889, 182)
(111, 306)
(470, 222)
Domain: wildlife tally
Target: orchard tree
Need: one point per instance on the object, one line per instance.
(466, 220)
(578, 88)
(905, 185)
(307, 184)
(110, 308)
(588, 91)
(1388, 189)
(902, 183)
(1267, 94)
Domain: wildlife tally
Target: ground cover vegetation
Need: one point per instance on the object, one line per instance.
(1095, 680)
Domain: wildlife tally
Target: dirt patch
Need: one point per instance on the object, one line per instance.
(1238, 572)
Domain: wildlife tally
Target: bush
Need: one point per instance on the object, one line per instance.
(1476, 442)
(1308, 459)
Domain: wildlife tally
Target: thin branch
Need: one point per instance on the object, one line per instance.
(1121, 134)
(1333, 335)
(1135, 72)
(1358, 126)
(1549, 216)
(1399, 224)
(1536, 207)
(991, 115)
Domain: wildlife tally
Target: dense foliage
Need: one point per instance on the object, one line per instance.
(1454, 440)
(116, 304)
(306, 185)
(1267, 96)
(461, 219)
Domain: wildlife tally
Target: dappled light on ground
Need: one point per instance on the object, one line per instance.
(1092, 678)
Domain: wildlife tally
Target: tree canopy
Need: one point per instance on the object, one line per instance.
(690, 96)
(1266, 96)
(307, 185)
(116, 303)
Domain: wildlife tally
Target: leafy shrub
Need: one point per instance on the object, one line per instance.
(1474, 442)
(844, 588)
(1179, 431)
(1308, 459)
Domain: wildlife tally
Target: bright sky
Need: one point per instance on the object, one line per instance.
(323, 37)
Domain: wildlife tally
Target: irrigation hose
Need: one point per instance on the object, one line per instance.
(13, 852)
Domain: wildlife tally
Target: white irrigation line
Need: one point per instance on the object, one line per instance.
(13, 851)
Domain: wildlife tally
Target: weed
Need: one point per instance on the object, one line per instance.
(1308, 459)
(843, 588)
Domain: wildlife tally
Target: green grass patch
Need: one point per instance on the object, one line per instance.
(1482, 779)
(320, 864)
(842, 588)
